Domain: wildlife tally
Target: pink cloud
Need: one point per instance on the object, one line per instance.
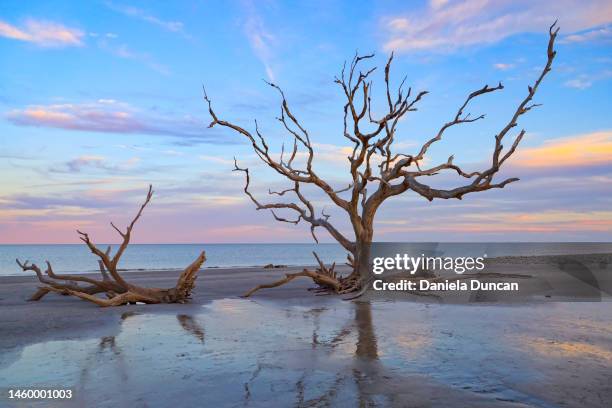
(43, 33)
(110, 116)
(97, 117)
(489, 222)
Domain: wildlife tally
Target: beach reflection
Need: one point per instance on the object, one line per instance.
(236, 352)
(191, 326)
(366, 347)
(553, 348)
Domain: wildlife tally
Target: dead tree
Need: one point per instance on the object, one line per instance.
(377, 170)
(117, 290)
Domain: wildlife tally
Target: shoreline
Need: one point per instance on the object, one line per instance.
(164, 270)
(169, 269)
(512, 259)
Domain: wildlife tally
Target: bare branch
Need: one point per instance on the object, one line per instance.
(459, 118)
(306, 214)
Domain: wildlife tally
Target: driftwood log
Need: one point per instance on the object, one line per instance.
(116, 289)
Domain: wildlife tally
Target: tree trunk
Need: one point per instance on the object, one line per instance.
(362, 269)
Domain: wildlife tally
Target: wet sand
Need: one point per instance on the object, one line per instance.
(287, 347)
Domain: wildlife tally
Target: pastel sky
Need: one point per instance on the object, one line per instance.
(100, 98)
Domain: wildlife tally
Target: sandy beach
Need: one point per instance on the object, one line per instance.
(287, 347)
(56, 317)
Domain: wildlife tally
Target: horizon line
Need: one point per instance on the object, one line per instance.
(318, 243)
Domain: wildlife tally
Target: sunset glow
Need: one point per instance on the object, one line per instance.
(99, 101)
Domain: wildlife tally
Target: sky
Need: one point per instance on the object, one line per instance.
(100, 99)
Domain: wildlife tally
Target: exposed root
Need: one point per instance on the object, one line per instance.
(113, 285)
(320, 279)
(326, 279)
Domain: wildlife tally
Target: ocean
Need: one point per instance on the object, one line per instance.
(76, 258)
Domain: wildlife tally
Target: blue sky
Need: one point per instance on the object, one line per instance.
(99, 99)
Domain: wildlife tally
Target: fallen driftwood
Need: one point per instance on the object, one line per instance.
(117, 290)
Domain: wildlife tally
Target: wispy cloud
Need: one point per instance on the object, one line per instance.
(43, 33)
(123, 51)
(597, 34)
(85, 161)
(551, 222)
(143, 15)
(107, 35)
(216, 159)
(82, 163)
(558, 221)
(584, 81)
(45, 202)
(503, 66)
(260, 39)
(438, 4)
(450, 25)
(578, 83)
(110, 116)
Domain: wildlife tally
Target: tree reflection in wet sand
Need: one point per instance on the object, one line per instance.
(191, 326)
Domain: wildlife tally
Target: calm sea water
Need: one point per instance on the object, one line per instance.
(77, 258)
